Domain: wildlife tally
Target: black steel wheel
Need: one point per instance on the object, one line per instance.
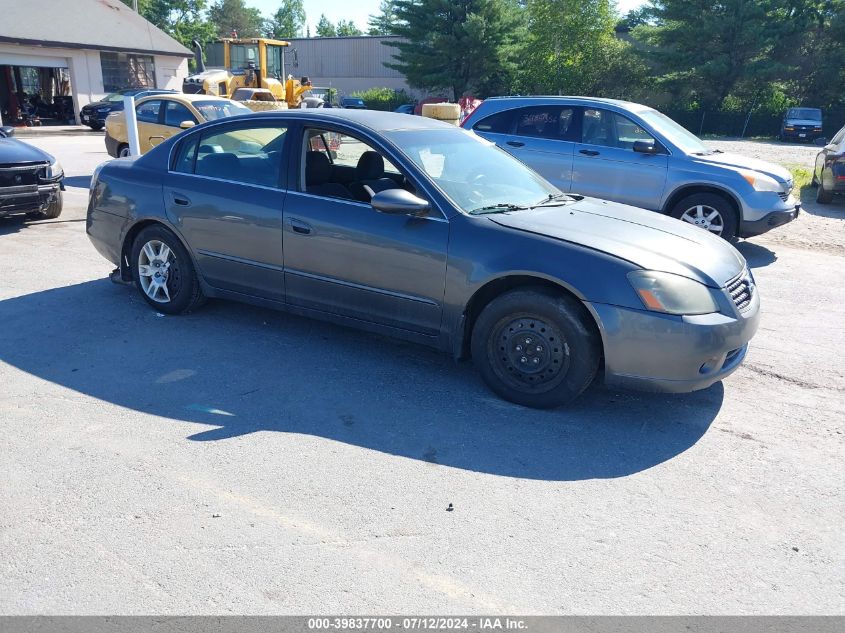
(536, 348)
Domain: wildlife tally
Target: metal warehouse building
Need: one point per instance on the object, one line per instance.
(346, 63)
(77, 51)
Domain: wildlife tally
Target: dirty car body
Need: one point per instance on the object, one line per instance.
(462, 230)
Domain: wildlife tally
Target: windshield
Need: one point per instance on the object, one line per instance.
(474, 173)
(681, 137)
(241, 55)
(811, 114)
(213, 110)
(118, 96)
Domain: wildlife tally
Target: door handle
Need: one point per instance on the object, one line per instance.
(588, 152)
(515, 143)
(181, 199)
(298, 226)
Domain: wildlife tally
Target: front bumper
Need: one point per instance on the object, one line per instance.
(93, 118)
(768, 222)
(27, 198)
(649, 351)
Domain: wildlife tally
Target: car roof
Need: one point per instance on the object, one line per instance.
(374, 120)
(184, 98)
(575, 100)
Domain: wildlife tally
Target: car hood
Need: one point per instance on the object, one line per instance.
(814, 123)
(13, 151)
(644, 238)
(744, 162)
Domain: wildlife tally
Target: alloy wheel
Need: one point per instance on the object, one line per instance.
(705, 217)
(158, 271)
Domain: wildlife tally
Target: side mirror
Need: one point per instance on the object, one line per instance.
(399, 202)
(7, 131)
(646, 147)
(821, 141)
(185, 125)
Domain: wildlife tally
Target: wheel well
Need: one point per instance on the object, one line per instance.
(126, 249)
(488, 292)
(683, 192)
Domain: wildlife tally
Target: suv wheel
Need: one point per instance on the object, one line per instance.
(708, 211)
(823, 196)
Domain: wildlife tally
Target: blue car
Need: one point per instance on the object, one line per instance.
(94, 114)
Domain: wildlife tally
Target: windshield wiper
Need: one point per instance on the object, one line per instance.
(501, 207)
(557, 200)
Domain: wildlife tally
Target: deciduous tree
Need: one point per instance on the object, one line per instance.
(229, 16)
(288, 21)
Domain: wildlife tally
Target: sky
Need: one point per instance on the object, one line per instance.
(359, 10)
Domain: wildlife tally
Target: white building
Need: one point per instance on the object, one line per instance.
(83, 49)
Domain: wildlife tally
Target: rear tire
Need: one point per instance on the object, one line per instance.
(164, 272)
(536, 348)
(708, 211)
(123, 150)
(823, 196)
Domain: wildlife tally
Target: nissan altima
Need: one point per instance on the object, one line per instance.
(412, 227)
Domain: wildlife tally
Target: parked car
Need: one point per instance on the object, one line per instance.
(94, 114)
(258, 99)
(406, 108)
(354, 103)
(162, 116)
(31, 180)
(829, 169)
(801, 124)
(418, 229)
(633, 154)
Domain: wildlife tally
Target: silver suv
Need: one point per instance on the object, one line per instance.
(633, 154)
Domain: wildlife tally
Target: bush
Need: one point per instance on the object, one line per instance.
(386, 99)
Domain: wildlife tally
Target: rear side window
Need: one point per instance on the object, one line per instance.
(249, 155)
(551, 122)
(148, 111)
(499, 123)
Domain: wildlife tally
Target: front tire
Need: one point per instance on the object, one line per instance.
(52, 210)
(164, 273)
(96, 127)
(536, 348)
(823, 196)
(708, 211)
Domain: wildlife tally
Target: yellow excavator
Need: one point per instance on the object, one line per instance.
(246, 63)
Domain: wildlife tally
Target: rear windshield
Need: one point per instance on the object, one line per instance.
(812, 114)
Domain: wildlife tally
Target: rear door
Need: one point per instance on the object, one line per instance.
(543, 137)
(225, 192)
(606, 166)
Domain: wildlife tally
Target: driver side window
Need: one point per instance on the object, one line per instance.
(337, 165)
(609, 129)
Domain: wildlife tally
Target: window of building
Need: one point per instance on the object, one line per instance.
(125, 70)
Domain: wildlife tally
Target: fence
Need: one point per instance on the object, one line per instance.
(701, 122)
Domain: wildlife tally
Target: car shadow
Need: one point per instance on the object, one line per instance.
(237, 369)
(756, 255)
(81, 182)
(12, 224)
(834, 209)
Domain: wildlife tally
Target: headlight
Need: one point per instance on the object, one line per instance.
(761, 182)
(54, 170)
(672, 294)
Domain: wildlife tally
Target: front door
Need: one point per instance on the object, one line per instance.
(151, 132)
(606, 166)
(225, 193)
(344, 257)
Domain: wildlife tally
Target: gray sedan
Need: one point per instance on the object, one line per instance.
(411, 227)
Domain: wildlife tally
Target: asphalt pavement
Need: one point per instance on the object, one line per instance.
(239, 460)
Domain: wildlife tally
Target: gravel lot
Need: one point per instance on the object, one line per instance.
(239, 460)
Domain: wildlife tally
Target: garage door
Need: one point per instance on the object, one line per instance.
(13, 59)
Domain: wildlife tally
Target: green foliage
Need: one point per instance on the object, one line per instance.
(382, 23)
(347, 28)
(386, 99)
(464, 46)
(288, 21)
(325, 28)
(233, 15)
